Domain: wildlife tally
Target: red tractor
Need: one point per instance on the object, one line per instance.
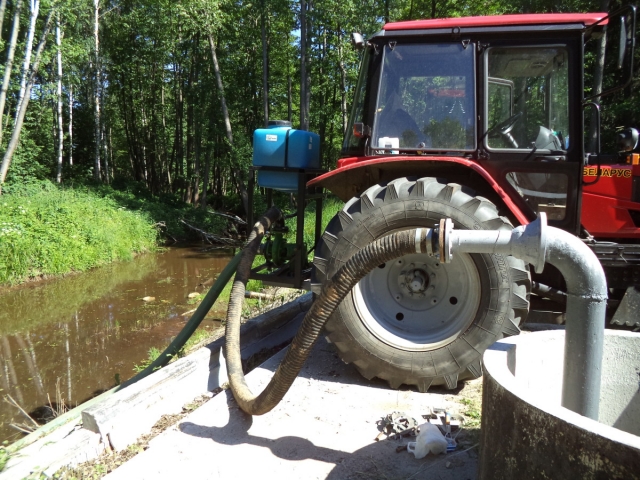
(480, 120)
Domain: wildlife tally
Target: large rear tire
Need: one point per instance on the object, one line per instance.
(417, 321)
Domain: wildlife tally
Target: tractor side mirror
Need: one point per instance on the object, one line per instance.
(627, 140)
(357, 41)
(360, 130)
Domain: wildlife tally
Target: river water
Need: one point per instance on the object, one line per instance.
(82, 332)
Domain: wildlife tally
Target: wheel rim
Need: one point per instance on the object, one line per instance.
(416, 303)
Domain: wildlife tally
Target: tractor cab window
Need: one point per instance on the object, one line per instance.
(425, 98)
(527, 98)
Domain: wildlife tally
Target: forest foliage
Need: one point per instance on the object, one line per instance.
(168, 94)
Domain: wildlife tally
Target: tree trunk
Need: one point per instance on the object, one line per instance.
(289, 104)
(59, 98)
(265, 66)
(110, 152)
(289, 89)
(307, 88)
(304, 106)
(164, 137)
(34, 7)
(70, 124)
(196, 166)
(15, 136)
(3, 8)
(108, 171)
(8, 66)
(343, 83)
(205, 182)
(242, 190)
(223, 102)
(97, 91)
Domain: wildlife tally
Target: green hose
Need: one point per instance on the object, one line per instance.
(185, 334)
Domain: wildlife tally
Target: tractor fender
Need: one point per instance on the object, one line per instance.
(354, 175)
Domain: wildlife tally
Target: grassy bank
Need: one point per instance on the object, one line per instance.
(47, 230)
(52, 231)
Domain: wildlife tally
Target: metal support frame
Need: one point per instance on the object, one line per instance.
(293, 275)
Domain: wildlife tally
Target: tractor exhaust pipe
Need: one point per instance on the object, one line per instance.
(538, 243)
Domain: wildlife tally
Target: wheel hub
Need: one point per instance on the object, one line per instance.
(415, 280)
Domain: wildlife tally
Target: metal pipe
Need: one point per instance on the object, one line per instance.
(537, 243)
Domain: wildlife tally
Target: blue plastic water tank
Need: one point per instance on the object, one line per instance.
(281, 146)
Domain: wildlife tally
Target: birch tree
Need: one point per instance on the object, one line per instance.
(59, 101)
(265, 64)
(17, 129)
(3, 8)
(304, 98)
(223, 101)
(15, 28)
(97, 91)
(70, 149)
(34, 7)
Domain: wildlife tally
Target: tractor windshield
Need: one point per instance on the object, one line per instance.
(425, 98)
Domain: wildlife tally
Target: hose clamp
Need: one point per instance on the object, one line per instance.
(424, 241)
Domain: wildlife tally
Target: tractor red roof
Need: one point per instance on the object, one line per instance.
(498, 20)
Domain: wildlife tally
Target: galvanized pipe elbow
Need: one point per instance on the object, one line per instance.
(536, 244)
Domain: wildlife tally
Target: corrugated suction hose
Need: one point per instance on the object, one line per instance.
(380, 251)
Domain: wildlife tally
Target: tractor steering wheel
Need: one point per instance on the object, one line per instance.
(504, 128)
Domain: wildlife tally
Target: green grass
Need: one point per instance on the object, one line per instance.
(52, 231)
(4, 458)
(330, 207)
(473, 412)
(152, 355)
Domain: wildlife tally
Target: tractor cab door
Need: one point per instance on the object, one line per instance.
(531, 137)
(534, 93)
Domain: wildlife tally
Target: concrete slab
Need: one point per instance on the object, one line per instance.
(324, 428)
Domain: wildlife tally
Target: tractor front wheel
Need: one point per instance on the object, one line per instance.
(415, 320)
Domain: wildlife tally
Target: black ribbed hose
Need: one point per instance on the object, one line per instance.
(380, 251)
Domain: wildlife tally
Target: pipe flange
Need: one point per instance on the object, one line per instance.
(445, 228)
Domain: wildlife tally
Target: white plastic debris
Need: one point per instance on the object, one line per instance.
(429, 440)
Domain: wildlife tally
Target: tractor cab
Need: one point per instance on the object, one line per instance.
(506, 93)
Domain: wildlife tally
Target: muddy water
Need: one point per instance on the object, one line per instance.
(82, 332)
